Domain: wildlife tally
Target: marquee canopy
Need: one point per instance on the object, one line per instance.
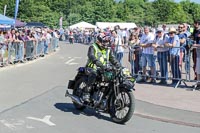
(111, 25)
(84, 25)
(6, 20)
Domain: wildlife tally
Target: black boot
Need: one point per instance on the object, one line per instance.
(86, 94)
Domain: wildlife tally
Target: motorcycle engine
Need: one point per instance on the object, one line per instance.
(97, 98)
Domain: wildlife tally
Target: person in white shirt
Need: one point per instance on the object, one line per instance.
(118, 46)
(148, 53)
(125, 35)
(164, 27)
(48, 41)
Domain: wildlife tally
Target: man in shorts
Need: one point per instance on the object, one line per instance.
(148, 54)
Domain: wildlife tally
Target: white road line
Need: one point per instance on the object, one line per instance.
(70, 62)
(9, 125)
(45, 120)
(73, 63)
(75, 57)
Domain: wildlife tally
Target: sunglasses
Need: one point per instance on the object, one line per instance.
(180, 27)
(171, 32)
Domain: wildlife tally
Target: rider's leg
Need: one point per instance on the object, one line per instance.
(91, 80)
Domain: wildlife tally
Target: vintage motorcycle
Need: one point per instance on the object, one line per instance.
(111, 93)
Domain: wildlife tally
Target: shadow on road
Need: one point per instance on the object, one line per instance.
(69, 107)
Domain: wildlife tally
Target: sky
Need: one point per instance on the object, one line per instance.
(197, 1)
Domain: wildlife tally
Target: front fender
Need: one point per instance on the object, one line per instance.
(127, 85)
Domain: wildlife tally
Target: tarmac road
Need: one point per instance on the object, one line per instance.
(32, 101)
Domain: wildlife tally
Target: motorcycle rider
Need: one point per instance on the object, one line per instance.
(99, 55)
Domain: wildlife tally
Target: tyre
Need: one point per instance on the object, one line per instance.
(78, 90)
(121, 109)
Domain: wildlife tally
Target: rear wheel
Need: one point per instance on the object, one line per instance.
(78, 90)
(122, 107)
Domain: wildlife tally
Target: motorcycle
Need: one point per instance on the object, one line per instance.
(111, 93)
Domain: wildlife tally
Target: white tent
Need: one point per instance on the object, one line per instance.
(83, 25)
(111, 25)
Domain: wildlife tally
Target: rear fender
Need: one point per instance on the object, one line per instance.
(71, 84)
(82, 72)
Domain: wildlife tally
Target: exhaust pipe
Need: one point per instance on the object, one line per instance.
(74, 98)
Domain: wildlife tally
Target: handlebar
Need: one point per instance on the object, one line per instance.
(109, 69)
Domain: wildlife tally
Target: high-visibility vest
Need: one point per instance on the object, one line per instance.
(101, 55)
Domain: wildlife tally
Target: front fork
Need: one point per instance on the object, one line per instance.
(116, 90)
(119, 97)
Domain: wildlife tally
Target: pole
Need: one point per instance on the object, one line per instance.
(16, 10)
(5, 7)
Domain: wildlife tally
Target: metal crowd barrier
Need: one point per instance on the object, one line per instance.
(30, 48)
(166, 66)
(20, 51)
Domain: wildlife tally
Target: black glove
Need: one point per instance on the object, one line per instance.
(109, 68)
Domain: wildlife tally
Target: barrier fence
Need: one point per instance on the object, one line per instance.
(14, 52)
(165, 65)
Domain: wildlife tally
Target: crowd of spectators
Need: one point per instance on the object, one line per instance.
(170, 47)
(17, 40)
(77, 35)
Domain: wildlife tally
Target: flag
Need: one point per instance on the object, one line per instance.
(16, 9)
(60, 22)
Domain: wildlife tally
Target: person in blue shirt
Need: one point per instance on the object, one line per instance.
(182, 37)
(173, 43)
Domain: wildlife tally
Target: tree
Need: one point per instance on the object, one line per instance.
(141, 12)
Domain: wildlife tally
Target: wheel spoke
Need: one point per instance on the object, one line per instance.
(122, 104)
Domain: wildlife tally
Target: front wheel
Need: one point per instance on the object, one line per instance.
(122, 107)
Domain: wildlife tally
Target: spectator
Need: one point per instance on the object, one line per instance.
(173, 43)
(164, 27)
(182, 37)
(48, 41)
(71, 37)
(137, 31)
(119, 32)
(19, 48)
(162, 54)
(118, 46)
(198, 62)
(2, 47)
(30, 45)
(186, 29)
(148, 54)
(46, 44)
(197, 48)
(135, 52)
(66, 34)
(56, 36)
(125, 36)
(196, 39)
